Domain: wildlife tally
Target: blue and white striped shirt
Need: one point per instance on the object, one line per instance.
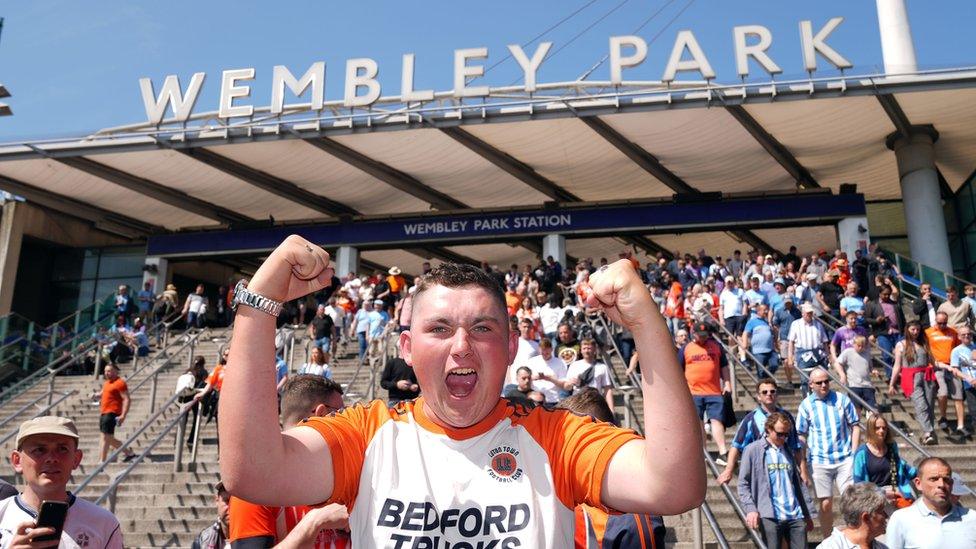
(780, 470)
(827, 425)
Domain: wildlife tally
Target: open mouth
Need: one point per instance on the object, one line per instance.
(461, 382)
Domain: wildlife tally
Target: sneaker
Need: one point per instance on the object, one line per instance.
(129, 458)
(964, 432)
(722, 459)
(928, 439)
(943, 423)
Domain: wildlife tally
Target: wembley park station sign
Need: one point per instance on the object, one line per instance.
(363, 89)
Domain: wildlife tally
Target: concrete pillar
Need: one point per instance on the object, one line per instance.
(921, 195)
(852, 233)
(896, 37)
(156, 271)
(346, 261)
(11, 237)
(554, 245)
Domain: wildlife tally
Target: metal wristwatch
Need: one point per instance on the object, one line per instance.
(243, 296)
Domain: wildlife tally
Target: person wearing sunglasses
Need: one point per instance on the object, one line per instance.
(770, 488)
(752, 428)
(827, 424)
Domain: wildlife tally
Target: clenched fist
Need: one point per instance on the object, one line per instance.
(619, 291)
(294, 269)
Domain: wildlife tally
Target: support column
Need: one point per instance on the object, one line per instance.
(554, 245)
(11, 238)
(346, 261)
(852, 233)
(921, 195)
(155, 271)
(896, 37)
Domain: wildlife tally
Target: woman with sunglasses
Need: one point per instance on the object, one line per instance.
(913, 361)
(878, 461)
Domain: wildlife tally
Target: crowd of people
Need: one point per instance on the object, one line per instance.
(768, 311)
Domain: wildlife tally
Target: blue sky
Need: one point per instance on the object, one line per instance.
(73, 67)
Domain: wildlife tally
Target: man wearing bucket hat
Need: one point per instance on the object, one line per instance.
(46, 454)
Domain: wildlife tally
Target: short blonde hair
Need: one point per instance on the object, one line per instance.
(860, 340)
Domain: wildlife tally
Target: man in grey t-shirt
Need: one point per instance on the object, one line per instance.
(854, 368)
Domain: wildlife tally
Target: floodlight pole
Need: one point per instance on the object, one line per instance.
(914, 148)
(896, 37)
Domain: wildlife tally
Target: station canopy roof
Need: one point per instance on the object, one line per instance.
(568, 142)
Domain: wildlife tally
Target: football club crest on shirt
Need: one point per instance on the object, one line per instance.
(503, 464)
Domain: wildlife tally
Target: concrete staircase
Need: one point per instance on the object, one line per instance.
(156, 505)
(159, 507)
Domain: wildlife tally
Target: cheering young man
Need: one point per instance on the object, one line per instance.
(459, 456)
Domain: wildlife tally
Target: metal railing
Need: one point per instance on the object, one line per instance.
(52, 403)
(610, 329)
(631, 420)
(376, 359)
(734, 500)
(915, 273)
(53, 368)
(851, 394)
(179, 421)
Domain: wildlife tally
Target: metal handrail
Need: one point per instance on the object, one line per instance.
(734, 500)
(634, 420)
(720, 538)
(857, 400)
(373, 360)
(40, 413)
(125, 445)
(42, 373)
(36, 376)
(52, 370)
(837, 323)
(22, 409)
(111, 490)
(898, 259)
(191, 341)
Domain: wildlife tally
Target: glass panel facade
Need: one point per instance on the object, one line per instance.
(963, 242)
(82, 276)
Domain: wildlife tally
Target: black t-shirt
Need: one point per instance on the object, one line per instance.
(831, 294)
(879, 469)
(322, 326)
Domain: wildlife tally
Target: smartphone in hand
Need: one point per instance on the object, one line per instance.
(52, 515)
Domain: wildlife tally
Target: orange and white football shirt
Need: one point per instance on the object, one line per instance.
(513, 478)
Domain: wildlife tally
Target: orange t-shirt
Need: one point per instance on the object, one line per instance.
(249, 520)
(528, 467)
(216, 377)
(513, 301)
(703, 368)
(112, 396)
(396, 283)
(942, 342)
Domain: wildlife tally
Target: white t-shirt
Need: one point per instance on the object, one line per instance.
(550, 318)
(601, 375)
(335, 313)
(87, 525)
(196, 302)
(510, 480)
(730, 300)
(554, 367)
(526, 350)
(316, 370)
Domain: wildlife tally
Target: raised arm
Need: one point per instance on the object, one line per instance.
(640, 477)
(259, 463)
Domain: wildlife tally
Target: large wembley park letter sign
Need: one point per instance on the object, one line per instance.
(362, 88)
